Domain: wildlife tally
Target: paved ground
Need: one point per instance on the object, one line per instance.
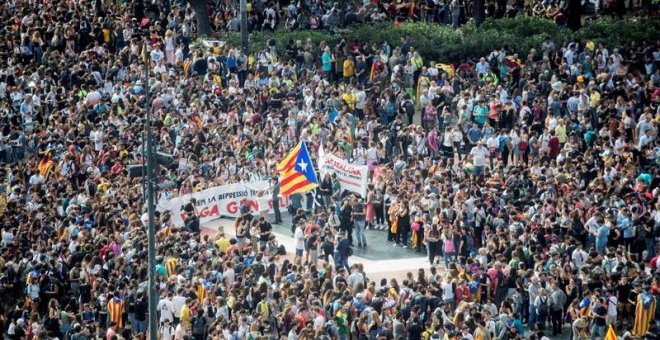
(380, 258)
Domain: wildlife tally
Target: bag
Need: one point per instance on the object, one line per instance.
(522, 146)
(281, 250)
(416, 227)
(199, 326)
(349, 252)
(542, 309)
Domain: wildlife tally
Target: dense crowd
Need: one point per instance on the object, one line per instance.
(531, 182)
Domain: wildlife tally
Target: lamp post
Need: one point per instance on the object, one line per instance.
(151, 232)
(244, 26)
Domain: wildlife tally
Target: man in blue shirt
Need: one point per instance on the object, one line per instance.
(601, 238)
(474, 134)
(625, 225)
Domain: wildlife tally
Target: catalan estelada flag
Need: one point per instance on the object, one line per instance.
(644, 313)
(610, 335)
(297, 171)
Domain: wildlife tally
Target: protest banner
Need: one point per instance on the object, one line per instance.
(224, 200)
(352, 177)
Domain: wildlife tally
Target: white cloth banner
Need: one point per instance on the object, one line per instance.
(352, 177)
(224, 200)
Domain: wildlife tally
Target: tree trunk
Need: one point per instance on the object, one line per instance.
(202, 16)
(574, 15)
(479, 11)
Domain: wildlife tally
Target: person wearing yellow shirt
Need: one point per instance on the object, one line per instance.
(222, 242)
(185, 315)
(560, 131)
(417, 61)
(349, 69)
(594, 99)
(349, 98)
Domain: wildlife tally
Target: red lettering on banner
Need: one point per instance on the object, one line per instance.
(343, 167)
(232, 207)
(209, 211)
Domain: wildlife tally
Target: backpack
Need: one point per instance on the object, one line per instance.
(543, 307)
(199, 326)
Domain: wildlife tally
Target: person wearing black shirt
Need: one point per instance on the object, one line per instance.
(599, 323)
(141, 308)
(276, 199)
(192, 219)
(264, 232)
(415, 329)
(346, 220)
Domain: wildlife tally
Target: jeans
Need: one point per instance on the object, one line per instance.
(359, 230)
(432, 250)
(532, 315)
(650, 248)
(276, 209)
(556, 319)
(341, 261)
(597, 332)
(448, 257)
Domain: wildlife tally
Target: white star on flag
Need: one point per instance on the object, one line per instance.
(303, 165)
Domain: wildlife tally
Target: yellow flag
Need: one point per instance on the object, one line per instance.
(610, 335)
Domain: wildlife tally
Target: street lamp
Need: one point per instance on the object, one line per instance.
(151, 231)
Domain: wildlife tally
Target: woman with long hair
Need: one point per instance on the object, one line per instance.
(432, 240)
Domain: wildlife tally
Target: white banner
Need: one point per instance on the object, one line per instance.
(352, 177)
(224, 200)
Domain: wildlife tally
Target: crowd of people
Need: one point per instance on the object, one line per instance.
(530, 182)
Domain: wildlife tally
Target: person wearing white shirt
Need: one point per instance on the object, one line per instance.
(166, 330)
(177, 302)
(644, 140)
(36, 179)
(479, 154)
(166, 309)
(579, 256)
(612, 302)
(448, 292)
(156, 54)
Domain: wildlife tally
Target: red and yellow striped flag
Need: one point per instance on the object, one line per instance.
(297, 171)
(644, 313)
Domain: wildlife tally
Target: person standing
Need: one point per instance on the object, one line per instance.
(599, 320)
(432, 239)
(275, 189)
(299, 237)
(557, 303)
(359, 218)
(342, 251)
(346, 219)
(403, 225)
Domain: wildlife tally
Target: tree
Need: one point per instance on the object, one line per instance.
(201, 8)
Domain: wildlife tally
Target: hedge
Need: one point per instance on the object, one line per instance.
(443, 44)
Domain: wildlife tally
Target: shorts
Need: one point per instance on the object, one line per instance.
(140, 326)
(299, 252)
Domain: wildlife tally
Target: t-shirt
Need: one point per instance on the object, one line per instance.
(602, 311)
(479, 155)
(299, 236)
(358, 211)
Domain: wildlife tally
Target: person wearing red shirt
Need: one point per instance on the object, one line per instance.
(553, 146)
(463, 292)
